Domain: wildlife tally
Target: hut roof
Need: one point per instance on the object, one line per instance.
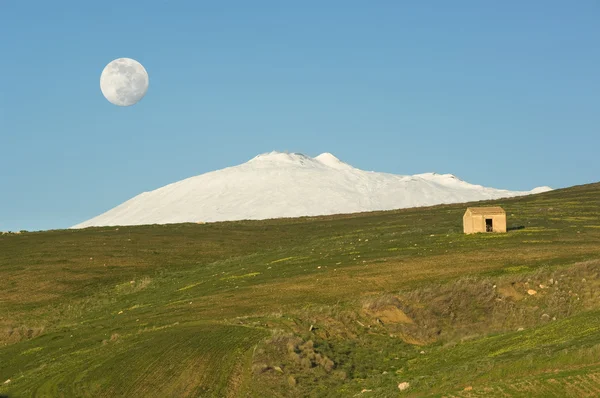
(486, 210)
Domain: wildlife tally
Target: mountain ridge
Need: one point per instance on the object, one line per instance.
(280, 184)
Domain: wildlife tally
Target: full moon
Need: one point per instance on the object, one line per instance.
(124, 82)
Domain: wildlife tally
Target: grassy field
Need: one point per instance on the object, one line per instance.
(349, 305)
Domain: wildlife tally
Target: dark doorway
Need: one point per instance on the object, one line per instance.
(489, 225)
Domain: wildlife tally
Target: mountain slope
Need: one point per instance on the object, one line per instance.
(245, 309)
(276, 184)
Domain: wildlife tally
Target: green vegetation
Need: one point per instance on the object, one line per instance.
(348, 305)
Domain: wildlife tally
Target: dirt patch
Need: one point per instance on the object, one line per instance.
(510, 292)
(13, 335)
(390, 314)
(408, 339)
(386, 309)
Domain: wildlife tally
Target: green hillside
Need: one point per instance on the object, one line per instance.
(349, 305)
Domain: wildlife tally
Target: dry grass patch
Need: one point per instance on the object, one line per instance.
(386, 309)
(13, 335)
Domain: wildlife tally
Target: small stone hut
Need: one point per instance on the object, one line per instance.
(484, 219)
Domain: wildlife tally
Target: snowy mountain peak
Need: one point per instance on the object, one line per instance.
(327, 157)
(275, 158)
(281, 184)
(329, 160)
(284, 159)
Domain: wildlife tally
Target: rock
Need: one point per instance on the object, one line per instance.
(531, 292)
(583, 280)
(7, 381)
(278, 369)
(551, 281)
(422, 352)
(520, 329)
(542, 286)
(120, 312)
(545, 317)
(403, 386)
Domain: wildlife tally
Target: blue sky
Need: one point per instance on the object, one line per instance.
(504, 94)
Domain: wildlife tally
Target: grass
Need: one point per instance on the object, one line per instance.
(315, 306)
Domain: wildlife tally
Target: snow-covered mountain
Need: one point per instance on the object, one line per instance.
(277, 184)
